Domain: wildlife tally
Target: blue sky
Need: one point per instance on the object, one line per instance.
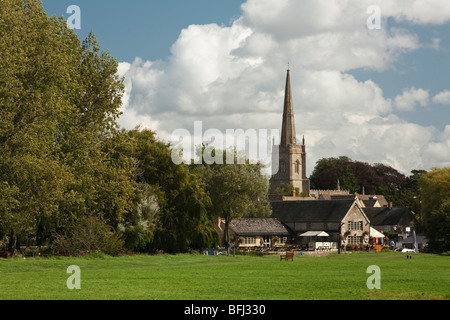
(143, 28)
(373, 95)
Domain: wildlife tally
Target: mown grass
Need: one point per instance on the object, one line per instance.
(197, 277)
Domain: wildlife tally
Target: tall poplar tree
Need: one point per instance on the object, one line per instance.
(59, 102)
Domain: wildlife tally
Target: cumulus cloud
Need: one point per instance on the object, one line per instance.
(442, 97)
(232, 77)
(411, 98)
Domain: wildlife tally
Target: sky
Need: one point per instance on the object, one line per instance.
(378, 95)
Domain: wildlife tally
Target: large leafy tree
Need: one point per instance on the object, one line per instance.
(435, 194)
(236, 190)
(174, 203)
(59, 101)
(34, 102)
(354, 175)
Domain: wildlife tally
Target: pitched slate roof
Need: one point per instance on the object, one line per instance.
(381, 199)
(258, 227)
(386, 216)
(311, 210)
(369, 203)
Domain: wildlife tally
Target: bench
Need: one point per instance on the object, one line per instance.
(287, 256)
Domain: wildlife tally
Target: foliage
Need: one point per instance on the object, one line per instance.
(176, 201)
(435, 191)
(354, 175)
(286, 190)
(438, 228)
(64, 157)
(59, 101)
(89, 234)
(36, 70)
(138, 237)
(236, 190)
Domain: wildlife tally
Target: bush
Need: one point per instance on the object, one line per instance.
(137, 238)
(89, 234)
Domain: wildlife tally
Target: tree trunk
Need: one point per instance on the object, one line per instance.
(12, 244)
(226, 233)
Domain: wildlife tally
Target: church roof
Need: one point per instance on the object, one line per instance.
(311, 210)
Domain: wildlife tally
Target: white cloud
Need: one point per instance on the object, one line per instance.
(233, 77)
(140, 79)
(289, 18)
(417, 11)
(411, 98)
(435, 43)
(442, 97)
(438, 152)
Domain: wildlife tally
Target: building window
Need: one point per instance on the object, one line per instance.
(250, 240)
(353, 240)
(355, 225)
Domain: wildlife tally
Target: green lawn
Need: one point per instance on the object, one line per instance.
(197, 277)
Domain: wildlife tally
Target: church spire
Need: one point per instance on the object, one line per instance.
(290, 160)
(288, 126)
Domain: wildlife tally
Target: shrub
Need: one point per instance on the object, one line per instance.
(137, 238)
(89, 234)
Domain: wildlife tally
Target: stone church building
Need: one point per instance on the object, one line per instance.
(313, 219)
(291, 157)
(301, 218)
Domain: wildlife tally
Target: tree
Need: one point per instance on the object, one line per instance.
(435, 194)
(390, 176)
(59, 101)
(174, 199)
(36, 54)
(435, 188)
(438, 228)
(236, 190)
(355, 175)
(285, 190)
(324, 175)
(89, 234)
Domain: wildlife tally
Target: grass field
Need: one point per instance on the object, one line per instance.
(197, 277)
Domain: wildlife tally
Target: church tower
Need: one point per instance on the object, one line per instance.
(291, 157)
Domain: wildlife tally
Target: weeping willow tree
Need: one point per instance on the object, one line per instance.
(179, 218)
(236, 190)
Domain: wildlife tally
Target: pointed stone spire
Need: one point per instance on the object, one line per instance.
(288, 126)
(290, 158)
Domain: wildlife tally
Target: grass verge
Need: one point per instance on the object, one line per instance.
(197, 277)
